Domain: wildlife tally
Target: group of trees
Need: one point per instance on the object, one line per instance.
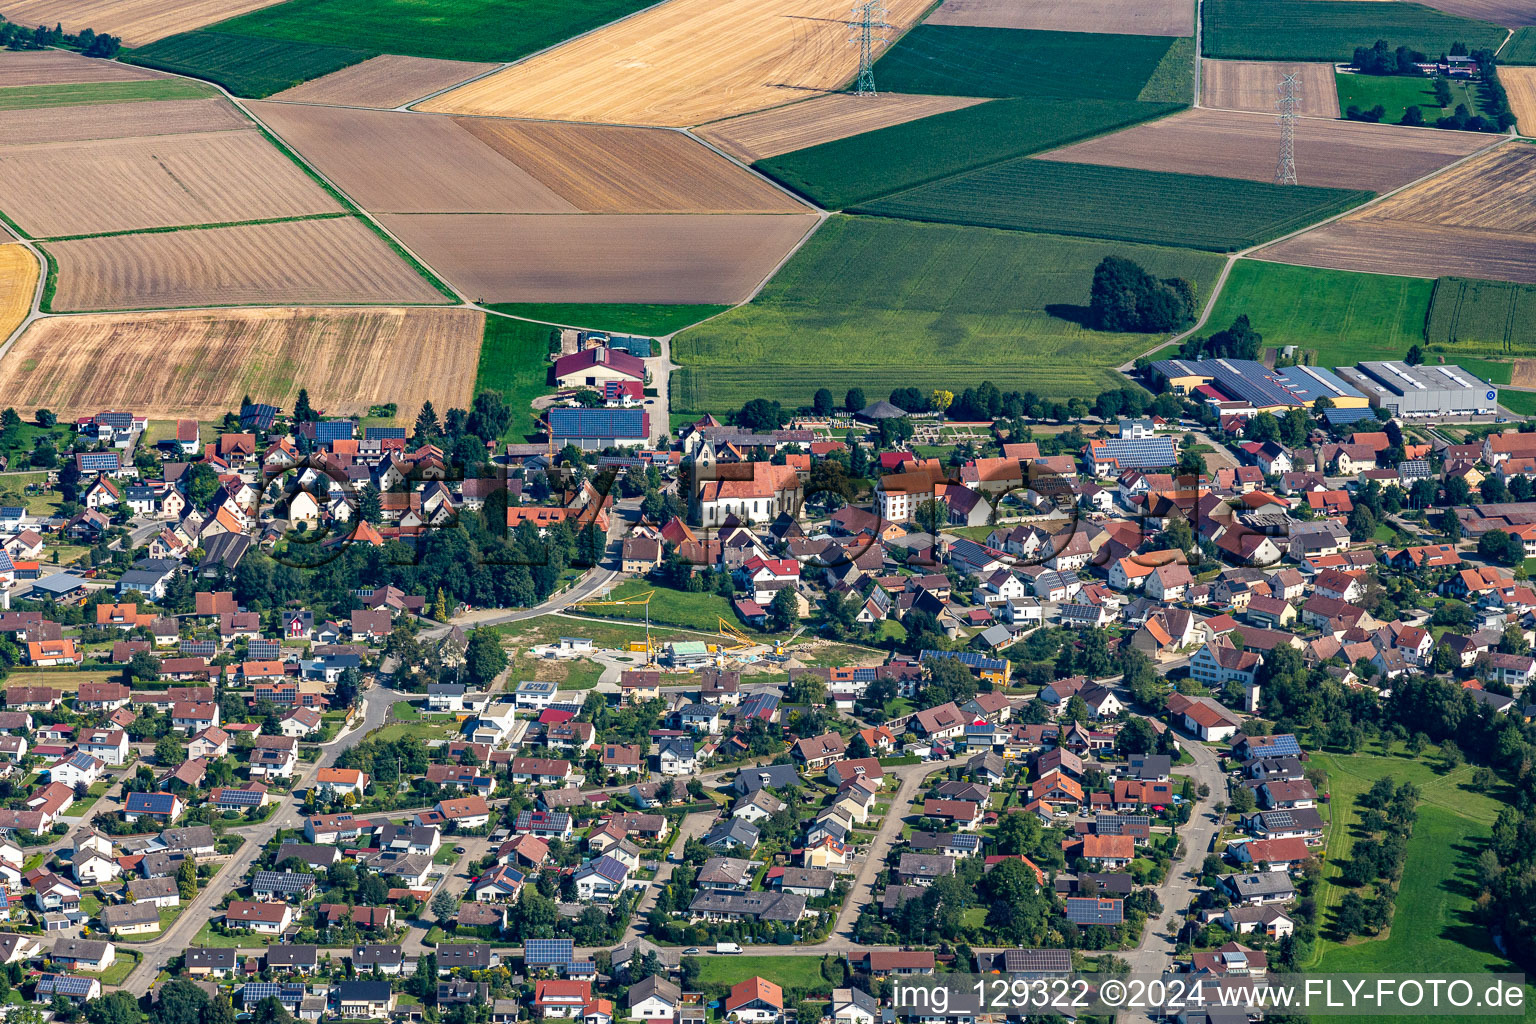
(1382, 59)
(88, 41)
(1124, 297)
(1240, 341)
(1387, 813)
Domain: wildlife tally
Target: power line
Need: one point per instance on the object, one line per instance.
(1285, 170)
(869, 28)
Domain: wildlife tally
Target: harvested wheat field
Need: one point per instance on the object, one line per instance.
(393, 162)
(824, 119)
(1520, 85)
(607, 169)
(60, 67)
(1232, 144)
(1123, 17)
(1476, 220)
(1254, 85)
(200, 364)
(584, 258)
(18, 283)
(136, 22)
(75, 188)
(681, 63)
(336, 260)
(120, 120)
(384, 82)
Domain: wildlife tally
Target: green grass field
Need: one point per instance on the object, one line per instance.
(1521, 48)
(675, 607)
(1397, 93)
(1220, 214)
(1329, 30)
(783, 969)
(885, 303)
(514, 361)
(482, 30)
(632, 318)
(1521, 403)
(841, 174)
(1341, 317)
(955, 60)
(1433, 930)
(32, 97)
(1173, 80)
(245, 65)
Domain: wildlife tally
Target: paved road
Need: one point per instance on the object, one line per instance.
(693, 827)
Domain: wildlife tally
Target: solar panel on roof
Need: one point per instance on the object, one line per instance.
(199, 648)
(240, 798)
(327, 431)
(548, 952)
(1279, 819)
(65, 984)
(1095, 911)
(263, 650)
(596, 422)
(95, 461)
(384, 433)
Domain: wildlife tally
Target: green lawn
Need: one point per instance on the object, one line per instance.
(1153, 207)
(1521, 403)
(632, 318)
(786, 970)
(1398, 93)
(679, 608)
(405, 711)
(514, 360)
(1329, 30)
(24, 97)
(954, 306)
(122, 966)
(1339, 316)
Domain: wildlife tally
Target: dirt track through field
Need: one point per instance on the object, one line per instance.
(1476, 220)
(658, 258)
(75, 188)
(18, 283)
(384, 82)
(120, 120)
(1520, 85)
(681, 63)
(605, 169)
(60, 67)
(1123, 17)
(823, 119)
(392, 162)
(1231, 144)
(136, 22)
(199, 364)
(337, 260)
(1254, 85)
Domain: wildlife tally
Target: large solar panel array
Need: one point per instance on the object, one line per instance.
(548, 952)
(1132, 453)
(1027, 961)
(384, 433)
(263, 650)
(329, 431)
(199, 648)
(97, 462)
(596, 422)
(1282, 745)
(240, 798)
(64, 985)
(1115, 824)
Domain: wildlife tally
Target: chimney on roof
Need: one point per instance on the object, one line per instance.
(600, 356)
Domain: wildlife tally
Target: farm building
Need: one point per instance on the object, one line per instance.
(1114, 455)
(596, 367)
(1405, 390)
(1263, 389)
(594, 429)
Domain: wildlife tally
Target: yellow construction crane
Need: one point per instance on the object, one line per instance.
(641, 600)
(740, 641)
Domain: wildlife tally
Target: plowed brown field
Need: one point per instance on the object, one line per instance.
(1520, 85)
(1125, 17)
(136, 22)
(1252, 85)
(18, 283)
(1231, 144)
(683, 62)
(337, 260)
(1476, 220)
(120, 120)
(605, 169)
(200, 364)
(823, 119)
(584, 258)
(393, 162)
(60, 67)
(72, 188)
(384, 82)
